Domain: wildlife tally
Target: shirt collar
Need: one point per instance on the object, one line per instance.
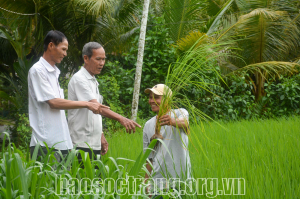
(49, 67)
(88, 75)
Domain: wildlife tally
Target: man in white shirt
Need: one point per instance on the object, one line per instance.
(171, 160)
(46, 98)
(86, 128)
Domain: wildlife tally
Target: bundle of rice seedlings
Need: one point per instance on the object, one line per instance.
(191, 69)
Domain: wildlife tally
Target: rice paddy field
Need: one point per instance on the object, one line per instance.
(263, 155)
(257, 159)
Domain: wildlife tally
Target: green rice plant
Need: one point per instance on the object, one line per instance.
(47, 178)
(261, 152)
(264, 153)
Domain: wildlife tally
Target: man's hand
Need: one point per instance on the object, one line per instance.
(178, 122)
(104, 145)
(103, 106)
(167, 120)
(96, 107)
(129, 124)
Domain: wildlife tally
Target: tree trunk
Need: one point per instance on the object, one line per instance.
(139, 64)
(260, 92)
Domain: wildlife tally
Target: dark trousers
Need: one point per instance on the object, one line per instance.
(92, 154)
(42, 152)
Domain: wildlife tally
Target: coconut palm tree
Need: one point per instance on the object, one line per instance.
(182, 16)
(23, 25)
(265, 38)
(115, 28)
(266, 35)
(110, 22)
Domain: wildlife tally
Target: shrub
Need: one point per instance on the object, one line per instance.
(21, 131)
(283, 97)
(236, 100)
(110, 89)
(231, 101)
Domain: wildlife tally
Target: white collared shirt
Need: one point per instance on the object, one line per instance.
(172, 158)
(85, 126)
(48, 125)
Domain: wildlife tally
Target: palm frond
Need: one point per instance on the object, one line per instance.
(246, 5)
(126, 12)
(193, 38)
(94, 7)
(112, 34)
(269, 69)
(263, 36)
(179, 15)
(215, 24)
(19, 6)
(5, 96)
(297, 19)
(191, 69)
(289, 6)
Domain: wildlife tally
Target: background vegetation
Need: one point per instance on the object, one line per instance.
(257, 79)
(262, 37)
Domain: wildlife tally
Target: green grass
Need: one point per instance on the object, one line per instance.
(265, 153)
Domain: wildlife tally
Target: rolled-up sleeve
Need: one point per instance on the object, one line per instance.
(183, 113)
(41, 87)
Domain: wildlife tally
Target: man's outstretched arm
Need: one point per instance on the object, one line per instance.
(127, 123)
(63, 104)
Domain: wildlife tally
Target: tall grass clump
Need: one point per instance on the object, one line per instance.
(22, 177)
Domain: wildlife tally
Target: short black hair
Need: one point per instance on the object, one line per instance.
(55, 37)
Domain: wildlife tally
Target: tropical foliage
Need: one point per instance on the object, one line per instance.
(265, 34)
(257, 44)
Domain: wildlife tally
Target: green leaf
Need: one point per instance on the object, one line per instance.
(142, 159)
(22, 176)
